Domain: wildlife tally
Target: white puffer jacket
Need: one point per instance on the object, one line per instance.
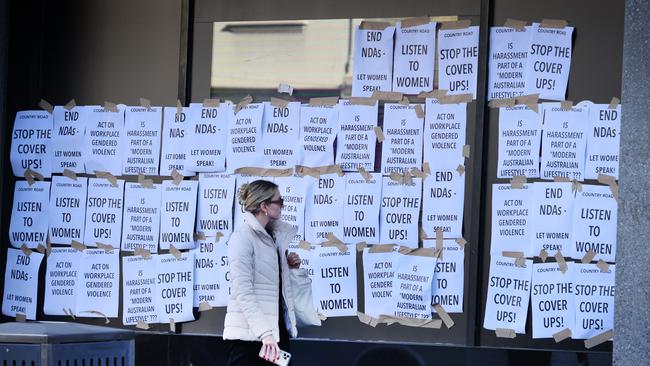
(253, 260)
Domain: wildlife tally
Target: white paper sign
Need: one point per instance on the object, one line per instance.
(98, 284)
(511, 219)
(400, 212)
(207, 132)
(174, 285)
(373, 61)
(415, 49)
(31, 142)
(402, 147)
(104, 142)
(175, 144)
(214, 208)
(61, 281)
(294, 192)
(335, 283)
(104, 212)
(413, 277)
(307, 261)
(552, 299)
(594, 300)
(444, 200)
(29, 215)
(142, 135)
(68, 136)
(355, 145)
(549, 61)
(595, 214)
(444, 134)
(324, 208)
(564, 141)
(177, 214)
(458, 60)
(507, 62)
(603, 141)
(139, 290)
(211, 273)
(318, 129)
(361, 210)
(379, 282)
(141, 224)
(280, 133)
(508, 294)
(552, 214)
(449, 276)
(21, 283)
(244, 137)
(520, 132)
(67, 212)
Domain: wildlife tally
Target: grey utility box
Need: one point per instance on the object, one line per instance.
(65, 344)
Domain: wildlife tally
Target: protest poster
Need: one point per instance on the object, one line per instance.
(280, 133)
(104, 141)
(139, 290)
(552, 299)
(31, 143)
(507, 62)
(104, 212)
(211, 273)
(402, 147)
(294, 193)
(29, 215)
(21, 283)
(141, 223)
(318, 130)
(379, 280)
(413, 64)
(174, 287)
(400, 212)
(444, 134)
(68, 134)
(306, 254)
(444, 200)
(595, 213)
(564, 141)
(552, 214)
(520, 132)
(244, 137)
(549, 61)
(177, 214)
(334, 284)
(324, 208)
(207, 132)
(142, 145)
(67, 209)
(594, 300)
(98, 284)
(511, 219)
(356, 141)
(175, 144)
(603, 141)
(448, 286)
(507, 294)
(61, 281)
(361, 209)
(373, 60)
(413, 278)
(214, 208)
(458, 60)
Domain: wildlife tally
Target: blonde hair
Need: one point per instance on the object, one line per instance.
(252, 195)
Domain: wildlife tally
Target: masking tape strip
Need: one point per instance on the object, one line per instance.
(614, 103)
(456, 98)
(144, 253)
(501, 103)
(530, 101)
(304, 245)
(379, 133)
(362, 101)
(560, 179)
(367, 319)
(459, 24)
(423, 234)
(199, 235)
(70, 174)
(204, 306)
(561, 262)
(218, 236)
(26, 250)
(278, 102)
(211, 103)
(369, 25)
(426, 168)
(142, 325)
(45, 105)
(174, 251)
(381, 248)
(599, 338)
(461, 243)
(553, 23)
(460, 169)
(566, 105)
(512, 254)
(324, 101)
(70, 105)
(95, 312)
(361, 246)
(449, 322)
(111, 107)
(505, 333)
(543, 254)
(243, 103)
(108, 176)
(414, 22)
(107, 247)
(420, 252)
(262, 172)
(78, 246)
(518, 181)
(419, 111)
(603, 266)
(562, 335)
(364, 173)
(21, 318)
(588, 257)
(387, 96)
(340, 246)
(516, 24)
(179, 107)
(146, 103)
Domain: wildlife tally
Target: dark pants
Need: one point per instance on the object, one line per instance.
(244, 353)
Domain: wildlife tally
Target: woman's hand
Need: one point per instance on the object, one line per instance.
(293, 259)
(270, 350)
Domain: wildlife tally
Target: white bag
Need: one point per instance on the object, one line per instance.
(306, 315)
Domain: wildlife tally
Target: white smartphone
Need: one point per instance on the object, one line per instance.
(284, 359)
